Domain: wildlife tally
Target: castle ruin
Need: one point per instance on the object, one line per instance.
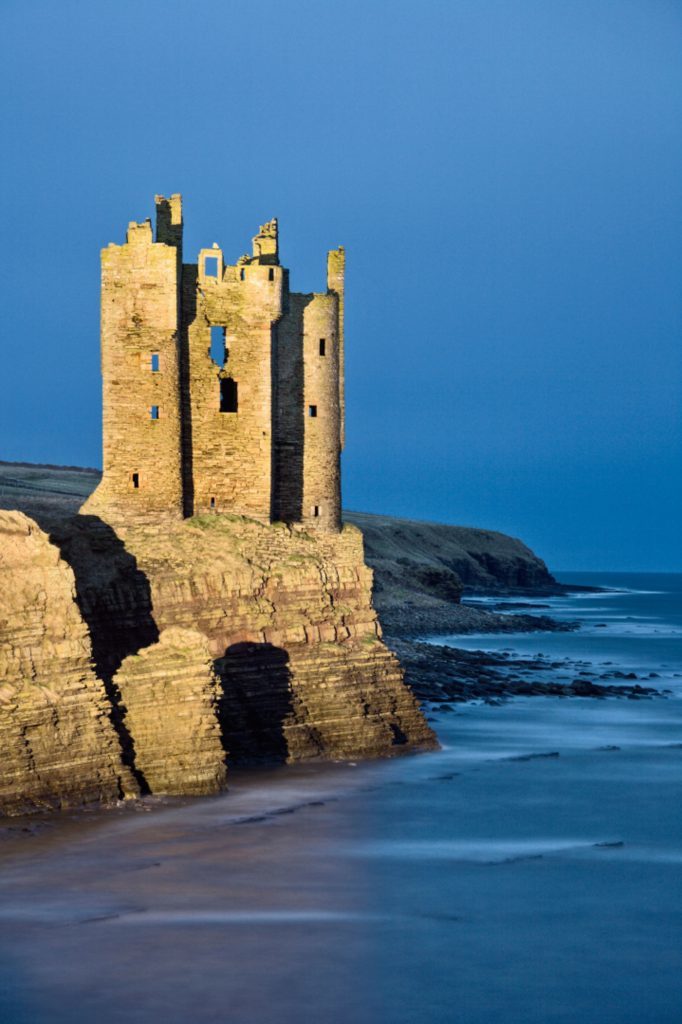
(222, 389)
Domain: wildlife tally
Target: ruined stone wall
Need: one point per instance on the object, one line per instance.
(231, 451)
(169, 222)
(141, 380)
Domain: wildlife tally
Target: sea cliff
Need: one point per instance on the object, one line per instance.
(146, 659)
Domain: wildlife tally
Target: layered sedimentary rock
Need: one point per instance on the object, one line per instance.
(288, 619)
(168, 694)
(57, 741)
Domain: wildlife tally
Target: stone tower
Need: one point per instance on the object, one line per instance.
(222, 390)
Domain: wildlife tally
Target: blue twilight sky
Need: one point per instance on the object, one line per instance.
(505, 174)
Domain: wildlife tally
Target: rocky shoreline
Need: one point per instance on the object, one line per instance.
(443, 676)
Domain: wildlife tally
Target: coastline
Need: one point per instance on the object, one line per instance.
(444, 675)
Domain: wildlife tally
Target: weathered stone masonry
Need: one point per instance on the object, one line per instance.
(222, 390)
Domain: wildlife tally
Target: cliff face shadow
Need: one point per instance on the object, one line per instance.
(255, 701)
(115, 600)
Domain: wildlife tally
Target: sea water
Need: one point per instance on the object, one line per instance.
(528, 873)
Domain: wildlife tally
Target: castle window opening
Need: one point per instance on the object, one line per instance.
(323, 346)
(229, 399)
(212, 503)
(242, 274)
(312, 411)
(135, 480)
(271, 274)
(211, 266)
(316, 511)
(154, 412)
(155, 362)
(217, 349)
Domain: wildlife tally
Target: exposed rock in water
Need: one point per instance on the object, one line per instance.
(169, 694)
(58, 744)
(447, 675)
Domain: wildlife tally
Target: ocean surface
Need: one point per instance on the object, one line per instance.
(528, 873)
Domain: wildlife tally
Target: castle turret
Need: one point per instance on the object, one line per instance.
(336, 273)
(321, 414)
(141, 379)
(307, 472)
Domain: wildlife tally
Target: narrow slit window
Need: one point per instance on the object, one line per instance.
(323, 346)
(312, 411)
(211, 266)
(316, 511)
(155, 362)
(242, 274)
(217, 349)
(271, 274)
(212, 502)
(229, 398)
(154, 412)
(135, 480)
